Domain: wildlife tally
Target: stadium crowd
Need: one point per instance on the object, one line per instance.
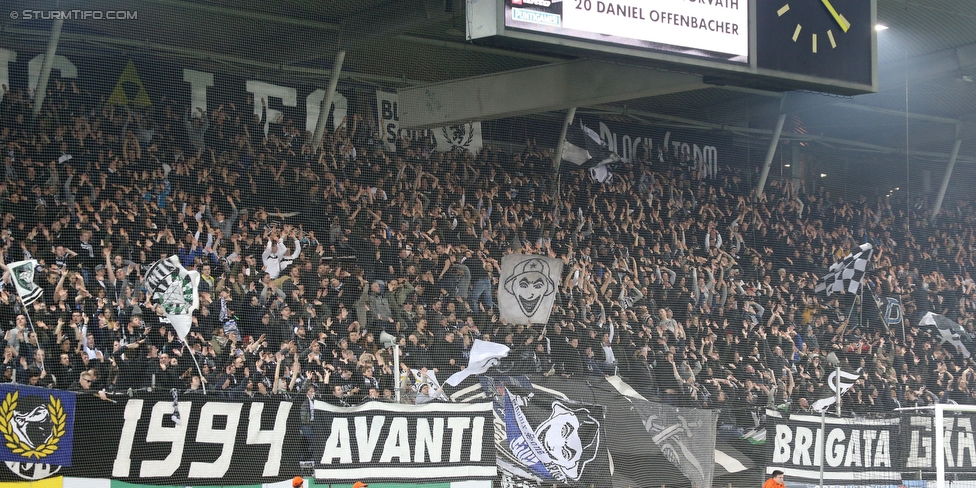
(695, 290)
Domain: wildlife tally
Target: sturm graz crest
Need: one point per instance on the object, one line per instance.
(176, 295)
(30, 427)
(171, 286)
(174, 289)
(22, 274)
(459, 136)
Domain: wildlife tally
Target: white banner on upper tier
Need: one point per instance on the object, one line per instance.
(466, 137)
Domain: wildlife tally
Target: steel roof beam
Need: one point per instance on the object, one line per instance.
(546, 88)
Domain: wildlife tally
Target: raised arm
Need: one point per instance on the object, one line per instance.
(108, 265)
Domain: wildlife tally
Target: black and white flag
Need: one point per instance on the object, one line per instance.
(949, 332)
(466, 137)
(527, 287)
(827, 394)
(585, 148)
(22, 275)
(846, 275)
(686, 437)
(174, 288)
(544, 438)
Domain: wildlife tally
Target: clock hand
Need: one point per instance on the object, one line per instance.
(844, 24)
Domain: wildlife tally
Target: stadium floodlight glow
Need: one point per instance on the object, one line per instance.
(880, 27)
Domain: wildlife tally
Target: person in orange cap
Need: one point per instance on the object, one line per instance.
(359, 484)
(297, 482)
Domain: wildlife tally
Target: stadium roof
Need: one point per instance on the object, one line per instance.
(927, 64)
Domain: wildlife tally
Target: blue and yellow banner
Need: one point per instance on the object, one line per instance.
(37, 424)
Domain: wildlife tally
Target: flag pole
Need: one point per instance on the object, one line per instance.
(203, 384)
(853, 306)
(29, 321)
(902, 313)
(838, 393)
(823, 446)
(901, 317)
(860, 309)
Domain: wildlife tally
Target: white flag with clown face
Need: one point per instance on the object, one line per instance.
(175, 289)
(527, 287)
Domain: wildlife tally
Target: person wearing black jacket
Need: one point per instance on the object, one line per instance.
(164, 374)
(447, 355)
(131, 362)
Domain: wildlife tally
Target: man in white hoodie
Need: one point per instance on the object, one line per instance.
(275, 258)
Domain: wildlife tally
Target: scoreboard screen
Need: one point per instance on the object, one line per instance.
(713, 29)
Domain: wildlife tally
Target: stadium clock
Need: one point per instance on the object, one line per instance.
(823, 38)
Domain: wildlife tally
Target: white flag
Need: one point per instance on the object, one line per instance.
(527, 287)
(483, 355)
(170, 285)
(22, 275)
(461, 136)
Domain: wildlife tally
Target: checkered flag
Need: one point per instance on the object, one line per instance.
(847, 274)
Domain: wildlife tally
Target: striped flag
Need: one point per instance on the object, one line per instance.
(22, 275)
(846, 275)
(174, 288)
(827, 394)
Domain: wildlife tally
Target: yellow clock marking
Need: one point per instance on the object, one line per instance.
(830, 35)
(796, 33)
(782, 10)
(841, 21)
(814, 44)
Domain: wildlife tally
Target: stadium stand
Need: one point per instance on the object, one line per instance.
(694, 289)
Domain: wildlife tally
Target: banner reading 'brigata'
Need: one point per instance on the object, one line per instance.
(865, 451)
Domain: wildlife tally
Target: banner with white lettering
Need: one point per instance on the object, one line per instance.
(384, 441)
(853, 451)
(918, 440)
(387, 113)
(699, 152)
(142, 81)
(145, 442)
